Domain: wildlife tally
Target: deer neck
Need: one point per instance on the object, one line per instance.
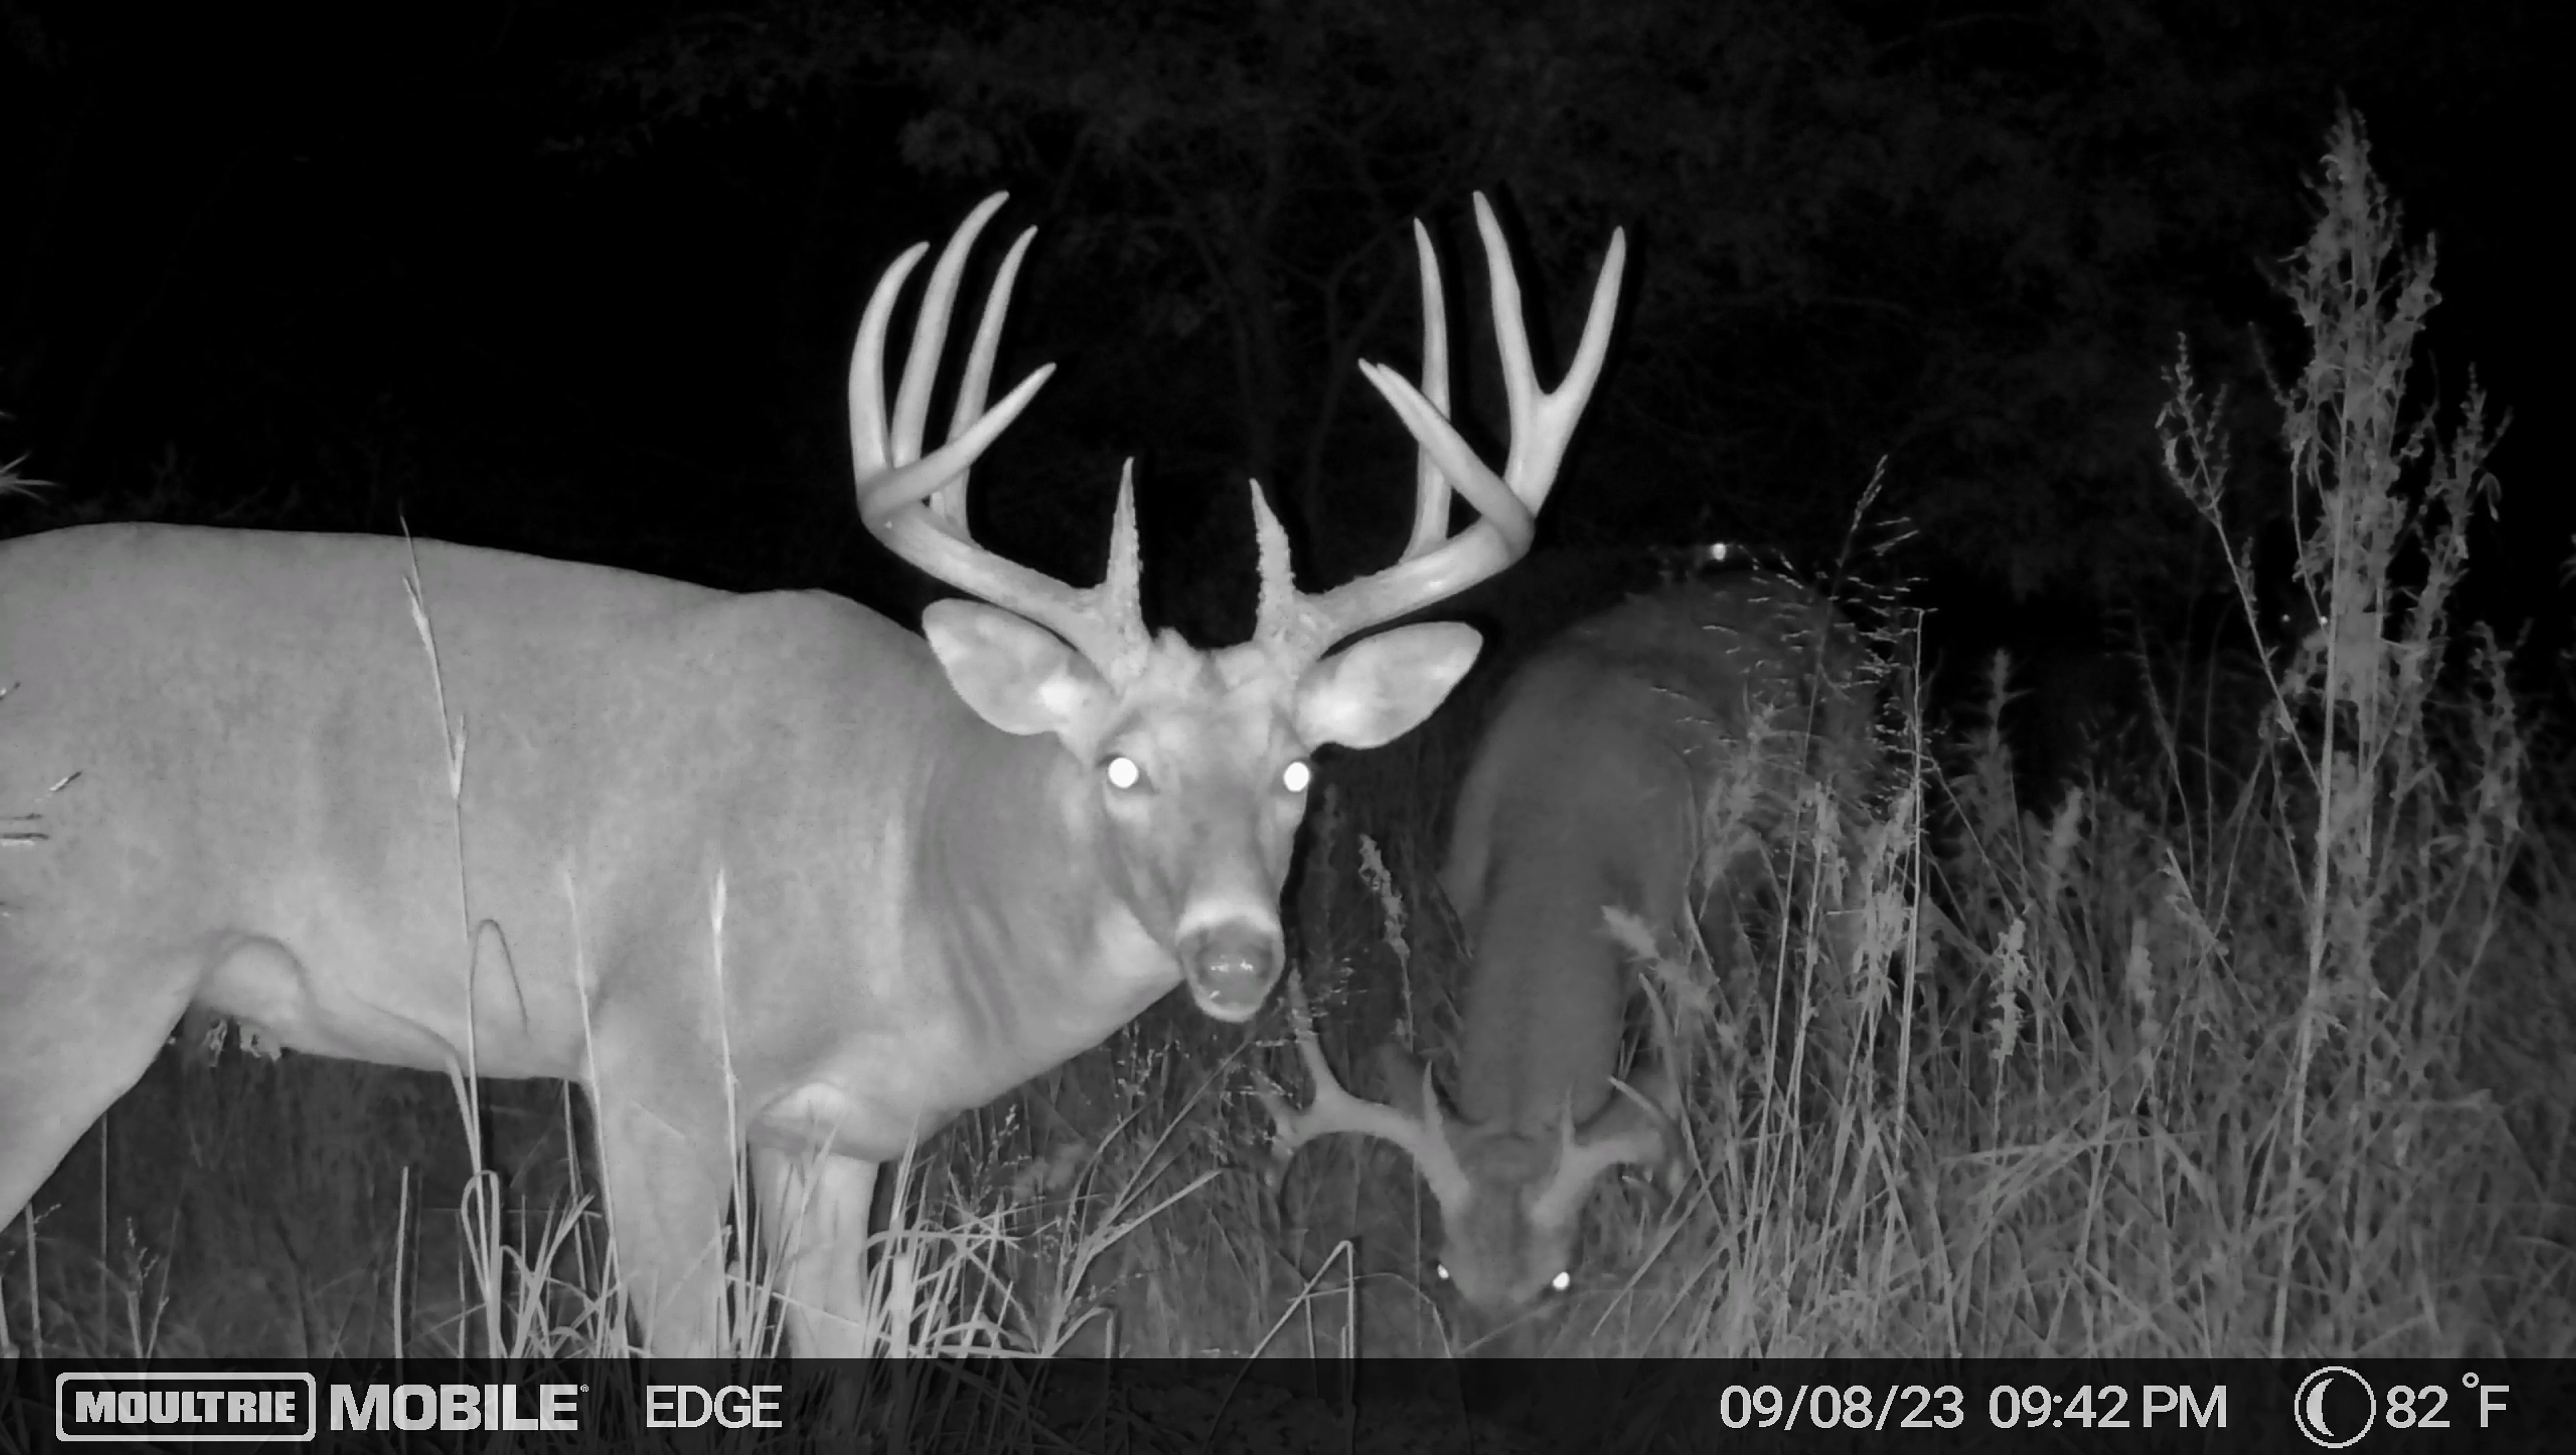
(1025, 915)
(1545, 1005)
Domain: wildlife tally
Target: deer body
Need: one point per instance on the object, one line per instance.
(333, 922)
(565, 714)
(449, 808)
(1644, 761)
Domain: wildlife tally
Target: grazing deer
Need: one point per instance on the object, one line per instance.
(762, 870)
(1653, 750)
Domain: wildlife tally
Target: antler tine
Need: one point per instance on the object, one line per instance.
(1542, 425)
(1334, 1109)
(948, 502)
(1430, 487)
(916, 503)
(887, 454)
(1633, 1130)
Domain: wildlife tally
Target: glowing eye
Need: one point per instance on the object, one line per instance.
(1296, 776)
(1563, 1280)
(1440, 1271)
(1123, 772)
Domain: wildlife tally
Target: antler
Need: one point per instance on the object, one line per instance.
(1334, 1109)
(1631, 1130)
(916, 503)
(1436, 565)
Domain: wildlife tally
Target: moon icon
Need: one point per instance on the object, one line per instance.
(2308, 1411)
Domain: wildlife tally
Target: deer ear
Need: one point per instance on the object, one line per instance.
(1015, 674)
(1380, 688)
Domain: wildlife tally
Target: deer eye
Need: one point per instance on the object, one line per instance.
(1296, 777)
(1563, 1280)
(1123, 772)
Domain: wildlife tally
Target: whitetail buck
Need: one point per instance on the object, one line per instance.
(1647, 760)
(754, 869)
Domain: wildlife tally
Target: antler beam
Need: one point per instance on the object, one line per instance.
(1334, 1109)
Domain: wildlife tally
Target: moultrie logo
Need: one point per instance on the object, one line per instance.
(205, 1408)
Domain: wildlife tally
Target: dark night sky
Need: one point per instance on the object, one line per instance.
(524, 275)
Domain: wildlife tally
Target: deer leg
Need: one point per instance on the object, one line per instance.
(814, 1221)
(668, 1179)
(75, 1040)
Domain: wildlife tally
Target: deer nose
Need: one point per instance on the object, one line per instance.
(1231, 966)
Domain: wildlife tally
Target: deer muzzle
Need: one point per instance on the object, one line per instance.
(1231, 964)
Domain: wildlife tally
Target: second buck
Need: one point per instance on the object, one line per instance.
(1646, 761)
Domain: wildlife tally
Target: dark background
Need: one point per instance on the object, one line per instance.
(580, 279)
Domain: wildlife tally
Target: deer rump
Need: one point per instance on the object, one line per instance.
(1650, 759)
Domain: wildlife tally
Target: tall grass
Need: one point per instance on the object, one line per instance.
(2197, 1063)
(2268, 1063)
(2160, 1101)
